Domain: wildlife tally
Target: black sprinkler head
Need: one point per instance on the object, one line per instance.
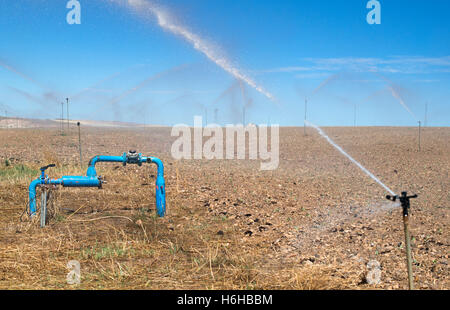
(404, 201)
(392, 198)
(46, 167)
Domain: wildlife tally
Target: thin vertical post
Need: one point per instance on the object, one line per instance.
(43, 207)
(67, 100)
(79, 144)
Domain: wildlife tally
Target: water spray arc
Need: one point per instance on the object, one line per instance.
(395, 93)
(236, 89)
(115, 101)
(328, 139)
(93, 180)
(21, 74)
(166, 22)
(247, 102)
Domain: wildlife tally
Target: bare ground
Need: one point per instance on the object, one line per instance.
(313, 223)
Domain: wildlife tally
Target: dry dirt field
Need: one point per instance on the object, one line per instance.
(313, 223)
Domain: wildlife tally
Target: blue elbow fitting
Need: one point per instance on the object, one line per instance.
(160, 186)
(32, 196)
(91, 172)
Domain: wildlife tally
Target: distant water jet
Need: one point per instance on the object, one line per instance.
(167, 22)
(21, 74)
(395, 93)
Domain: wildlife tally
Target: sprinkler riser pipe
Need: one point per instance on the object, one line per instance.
(405, 203)
(408, 252)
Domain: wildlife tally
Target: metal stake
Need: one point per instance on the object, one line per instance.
(79, 144)
(67, 100)
(43, 206)
(408, 251)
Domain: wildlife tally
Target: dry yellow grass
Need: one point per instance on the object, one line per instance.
(128, 249)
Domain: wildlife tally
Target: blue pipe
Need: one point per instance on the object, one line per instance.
(160, 186)
(65, 181)
(77, 181)
(32, 196)
(92, 180)
(160, 183)
(91, 172)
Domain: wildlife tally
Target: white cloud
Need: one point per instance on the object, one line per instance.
(393, 64)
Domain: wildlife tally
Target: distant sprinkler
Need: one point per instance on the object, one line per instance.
(405, 203)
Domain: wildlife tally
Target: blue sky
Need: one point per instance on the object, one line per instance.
(120, 64)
